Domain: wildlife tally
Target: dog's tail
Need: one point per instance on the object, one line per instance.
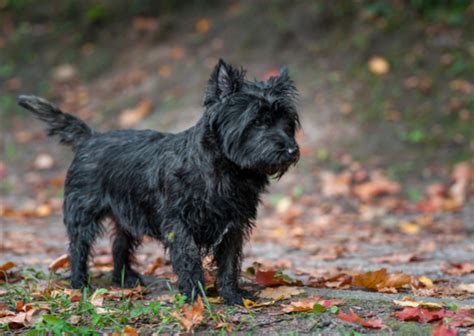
(71, 130)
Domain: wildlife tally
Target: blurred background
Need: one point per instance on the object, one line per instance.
(386, 102)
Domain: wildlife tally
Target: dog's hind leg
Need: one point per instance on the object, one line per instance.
(122, 249)
(81, 238)
(186, 261)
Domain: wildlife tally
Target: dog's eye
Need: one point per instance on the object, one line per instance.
(259, 123)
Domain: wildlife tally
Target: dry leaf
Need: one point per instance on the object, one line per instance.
(7, 266)
(407, 302)
(421, 315)
(354, 318)
(191, 315)
(457, 269)
(153, 267)
(306, 305)
(379, 65)
(43, 161)
(61, 262)
(280, 293)
(376, 187)
(443, 329)
(131, 117)
(203, 26)
(467, 287)
(252, 304)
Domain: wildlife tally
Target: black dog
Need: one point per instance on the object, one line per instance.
(196, 191)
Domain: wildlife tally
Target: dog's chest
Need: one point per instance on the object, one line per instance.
(220, 204)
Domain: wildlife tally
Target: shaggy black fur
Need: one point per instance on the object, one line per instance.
(196, 191)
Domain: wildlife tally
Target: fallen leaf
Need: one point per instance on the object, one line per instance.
(427, 282)
(190, 315)
(467, 287)
(279, 293)
(407, 302)
(397, 258)
(463, 317)
(153, 267)
(252, 304)
(443, 329)
(421, 315)
(60, 262)
(379, 65)
(7, 266)
(457, 269)
(354, 318)
(129, 331)
(131, 117)
(64, 73)
(43, 161)
(307, 305)
(335, 184)
(381, 281)
(376, 187)
(409, 228)
(142, 23)
(203, 26)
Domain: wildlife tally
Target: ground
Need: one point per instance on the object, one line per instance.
(377, 215)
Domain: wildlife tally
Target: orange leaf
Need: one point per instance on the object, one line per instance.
(61, 262)
(370, 280)
(131, 117)
(191, 315)
(7, 266)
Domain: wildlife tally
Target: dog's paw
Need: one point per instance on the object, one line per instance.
(233, 299)
(247, 295)
(130, 280)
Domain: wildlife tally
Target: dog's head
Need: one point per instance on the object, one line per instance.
(253, 122)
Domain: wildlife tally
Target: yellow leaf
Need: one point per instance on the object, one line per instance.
(251, 304)
(280, 293)
(379, 65)
(407, 302)
(215, 300)
(425, 281)
(409, 228)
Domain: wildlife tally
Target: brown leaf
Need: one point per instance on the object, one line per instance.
(463, 317)
(306, 305)
(191, 315)
(153, 267)
(457, 269)
(7, 266)
(335, 185)
(467, 287)
(379, 185)
(397, 258)
(381, 281)
(203, 26)
(370, 280)
(131, 117)
(60, 262)
(354, 318)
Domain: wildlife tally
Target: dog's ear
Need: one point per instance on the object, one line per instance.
(224, 81)
(282, 84)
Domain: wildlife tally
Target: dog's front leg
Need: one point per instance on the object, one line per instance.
(186, 261)
(228, 257)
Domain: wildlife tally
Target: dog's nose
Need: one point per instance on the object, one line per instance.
(292, 150)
